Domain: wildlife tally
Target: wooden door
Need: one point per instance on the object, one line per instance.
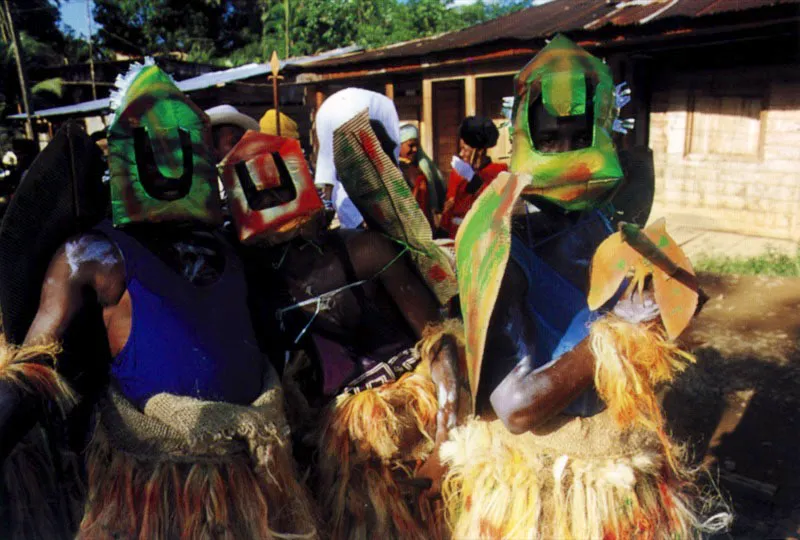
(448, 111)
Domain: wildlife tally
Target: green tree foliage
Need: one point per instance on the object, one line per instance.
(158, 26)
(234, 32)
(42, 43)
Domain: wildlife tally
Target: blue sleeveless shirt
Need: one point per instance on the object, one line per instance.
(557, 293)
(185, 339)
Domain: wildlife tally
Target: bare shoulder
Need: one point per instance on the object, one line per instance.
(90, 252)
(86, 259)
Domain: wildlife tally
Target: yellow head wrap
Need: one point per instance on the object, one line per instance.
(288, 126)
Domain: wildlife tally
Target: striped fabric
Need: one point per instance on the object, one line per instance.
(380, 192)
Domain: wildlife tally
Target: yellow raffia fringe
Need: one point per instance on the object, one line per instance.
(501, 485)
(631, 362)
(370, 445)
(23, 366)
(432, 335)
(369, 441)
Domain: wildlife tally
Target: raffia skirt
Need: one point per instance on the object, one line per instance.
(190, 469)
(370, 446)
(614, 475)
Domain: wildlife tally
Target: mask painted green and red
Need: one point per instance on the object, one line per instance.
(568, 82)
(160, 159)
(271, 193)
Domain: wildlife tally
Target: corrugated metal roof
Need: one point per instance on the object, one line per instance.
(207, 80)
(542, 21)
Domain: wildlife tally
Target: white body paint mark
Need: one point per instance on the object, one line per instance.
(441, 394)
(86, 249)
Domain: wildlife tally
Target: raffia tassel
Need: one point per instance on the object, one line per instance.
(363, 460)
(631, 362)
(27, 367)
(372, 424)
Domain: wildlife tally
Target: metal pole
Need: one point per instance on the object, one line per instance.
(20, 72)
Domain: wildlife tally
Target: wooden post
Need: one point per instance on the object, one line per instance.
(91, 52)
(275, 66)
(470, 104)
(23, 85)
(319, 97)
(286, 27)
(389, 90)
(426, 125)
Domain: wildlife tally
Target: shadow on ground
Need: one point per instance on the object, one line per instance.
(742, 416)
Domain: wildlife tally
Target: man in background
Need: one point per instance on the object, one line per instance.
(335, 111)
(227, 127)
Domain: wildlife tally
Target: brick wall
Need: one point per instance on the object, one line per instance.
(726, 145)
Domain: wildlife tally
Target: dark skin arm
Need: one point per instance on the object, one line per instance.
(419, 308)
(61, 299)
(525, 398)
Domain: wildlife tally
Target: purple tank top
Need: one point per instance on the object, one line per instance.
(185, 339)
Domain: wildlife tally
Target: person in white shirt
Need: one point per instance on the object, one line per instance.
(335, 111)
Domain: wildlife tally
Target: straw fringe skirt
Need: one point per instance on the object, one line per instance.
(191, 469)
(41, 487)
(370, 446)
(501, 485)
(614, 475)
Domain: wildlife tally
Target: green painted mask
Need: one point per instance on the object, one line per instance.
(160, 159)
(563, 85)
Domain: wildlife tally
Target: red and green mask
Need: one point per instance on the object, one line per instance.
(564, 88)
(270, 190)
(160, 159)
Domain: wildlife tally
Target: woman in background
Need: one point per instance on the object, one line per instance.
(472, 170)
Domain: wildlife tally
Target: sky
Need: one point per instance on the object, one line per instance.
(73, 13)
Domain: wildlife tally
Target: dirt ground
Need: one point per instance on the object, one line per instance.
(739, 406)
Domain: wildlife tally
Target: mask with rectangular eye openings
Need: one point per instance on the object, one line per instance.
(562, 120)
(160, 159)
(271, 192)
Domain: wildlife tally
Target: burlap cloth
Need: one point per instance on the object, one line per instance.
(190, 429)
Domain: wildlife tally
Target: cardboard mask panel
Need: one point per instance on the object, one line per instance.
(271, 193)
(160, 157)
(560, 75)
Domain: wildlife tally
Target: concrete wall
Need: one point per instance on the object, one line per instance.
(727, 149)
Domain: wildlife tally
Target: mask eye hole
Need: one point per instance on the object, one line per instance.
(262, 199)
(555, 134)
(156, 184)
